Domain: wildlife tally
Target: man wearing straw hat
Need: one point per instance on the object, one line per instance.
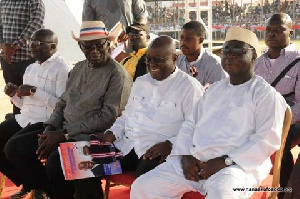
(96, 92)
(238, 116)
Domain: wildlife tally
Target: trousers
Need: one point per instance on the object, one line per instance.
(167, 181)
(10, 129)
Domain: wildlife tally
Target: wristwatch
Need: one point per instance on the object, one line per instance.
(32, 91)
(228, 161)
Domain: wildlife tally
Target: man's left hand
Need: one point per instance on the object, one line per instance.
(162, 149)
(24, 90)
(211, 167)
(52, 140)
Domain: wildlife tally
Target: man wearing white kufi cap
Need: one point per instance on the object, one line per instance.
(239, 126)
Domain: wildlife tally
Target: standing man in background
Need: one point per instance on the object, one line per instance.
(279, 55)
(19, 19)
(113, 11)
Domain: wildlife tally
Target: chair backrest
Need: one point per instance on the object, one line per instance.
(278, 157)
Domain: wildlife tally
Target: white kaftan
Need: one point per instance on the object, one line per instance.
(244, 122)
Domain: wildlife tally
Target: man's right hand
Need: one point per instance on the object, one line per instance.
(47, 129)
(10, 89)
(191, 167)
(122, 37)
(107, 137)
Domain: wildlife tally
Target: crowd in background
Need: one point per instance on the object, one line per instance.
(224, 15)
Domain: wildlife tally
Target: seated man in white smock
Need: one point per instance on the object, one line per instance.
(161, 104)
(239, 126)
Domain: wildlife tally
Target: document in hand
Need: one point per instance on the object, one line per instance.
(77, 162)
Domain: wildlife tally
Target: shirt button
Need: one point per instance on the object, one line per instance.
(194, 145)
(126, 137)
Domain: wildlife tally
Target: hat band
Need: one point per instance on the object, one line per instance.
(93, 31)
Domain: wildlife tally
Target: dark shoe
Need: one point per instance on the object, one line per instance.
(21, 194)
(39, 194)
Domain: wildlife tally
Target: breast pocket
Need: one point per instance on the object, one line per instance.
(168, 112)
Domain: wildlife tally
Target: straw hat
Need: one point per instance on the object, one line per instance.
(91, 30)
(241, 34)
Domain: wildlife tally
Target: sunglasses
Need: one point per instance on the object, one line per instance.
(236, 51)
(88, 46)
(157, 60)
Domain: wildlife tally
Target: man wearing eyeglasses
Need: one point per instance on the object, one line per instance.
(43, 84)
(196, 61)
(96, 93)
(18, 21)
(279, 55)
(238, 126)
(160, 105)
(139, 37)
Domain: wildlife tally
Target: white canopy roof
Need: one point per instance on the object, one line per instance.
(62, 21)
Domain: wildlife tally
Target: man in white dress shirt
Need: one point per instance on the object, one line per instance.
(160, 105)
(43, 83)
(239, 126)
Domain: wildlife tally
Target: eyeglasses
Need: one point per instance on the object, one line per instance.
(88, 46)
(236, 51)
(134, 36)
(37, 43)
(157, 60)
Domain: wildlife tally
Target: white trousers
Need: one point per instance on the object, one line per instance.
(167, 181)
